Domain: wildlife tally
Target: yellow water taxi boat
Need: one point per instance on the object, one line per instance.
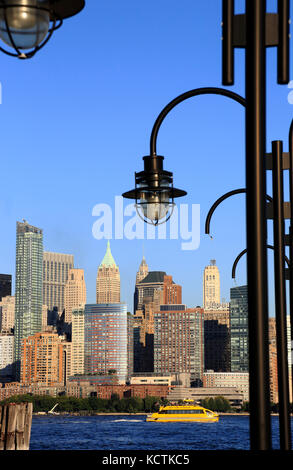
(183, 413)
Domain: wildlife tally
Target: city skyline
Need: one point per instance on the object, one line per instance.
(91, 297)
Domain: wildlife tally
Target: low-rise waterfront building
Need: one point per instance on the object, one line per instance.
(238, 380)
(232, 394)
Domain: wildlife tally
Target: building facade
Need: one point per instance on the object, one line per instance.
(106, 339)
(7, 313)
(239, 380)
(75, 292)
(217, 339)
(211, 286)
(5, 285)
(108, 280)
(6, 357)
(179, 341)
(28, 286)
(153, 290)
(148, 288)
(42, 360)
(77, 351)
(239, 329)
(56, 268)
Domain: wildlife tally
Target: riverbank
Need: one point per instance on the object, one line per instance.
(87, 413)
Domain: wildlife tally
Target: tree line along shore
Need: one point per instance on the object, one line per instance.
(94, 405)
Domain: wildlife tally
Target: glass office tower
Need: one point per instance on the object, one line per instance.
(239, 329)
(28, 286)
(106, 339)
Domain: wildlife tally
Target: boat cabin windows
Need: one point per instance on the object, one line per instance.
(182, 412)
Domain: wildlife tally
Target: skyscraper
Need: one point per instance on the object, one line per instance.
(217, 339)
(239, 329)
(75, 292)
(152, 291)
(56, 267)
(42, 360)
(5, 285)
(147, 287)
(108, 280)
(142, 272)
(77, 349)
(28, 286)
(179, 341)
(106, 339)
(211, 286)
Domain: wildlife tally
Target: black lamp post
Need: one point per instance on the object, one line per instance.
(254, 31)
(27, 25)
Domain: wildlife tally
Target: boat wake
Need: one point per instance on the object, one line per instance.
(128, 420)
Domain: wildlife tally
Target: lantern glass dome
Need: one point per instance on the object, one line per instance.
(154, 192)
(154, 207)
(24, 24)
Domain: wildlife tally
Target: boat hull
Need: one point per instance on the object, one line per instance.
(182, 419)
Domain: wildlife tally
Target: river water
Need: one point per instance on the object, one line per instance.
(66, 432)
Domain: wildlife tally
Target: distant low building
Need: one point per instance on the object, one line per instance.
(239, 380)
(232, 394)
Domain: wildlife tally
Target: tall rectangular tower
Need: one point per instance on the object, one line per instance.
(42, 360)
(56, 267)
(108, 280)
(77, 347)
(179, 341)
(239, 329)
(106, 339)
(211, 286)
(28, 286)
(75, 292)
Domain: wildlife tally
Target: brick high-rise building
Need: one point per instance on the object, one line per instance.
(179, 341)
(154, 290)
(172, 293)
(108, 280)
(75, 292)
(42, 360)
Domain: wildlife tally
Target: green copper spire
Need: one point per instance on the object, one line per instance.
(108, 259)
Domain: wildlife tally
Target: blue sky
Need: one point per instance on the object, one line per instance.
(76, 120)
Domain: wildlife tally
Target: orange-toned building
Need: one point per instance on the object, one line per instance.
(125, 391)
(42, 360)
(172, 292)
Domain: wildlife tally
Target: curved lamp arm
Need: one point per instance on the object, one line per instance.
(220, 200)
(243, 253)
(183, 97)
